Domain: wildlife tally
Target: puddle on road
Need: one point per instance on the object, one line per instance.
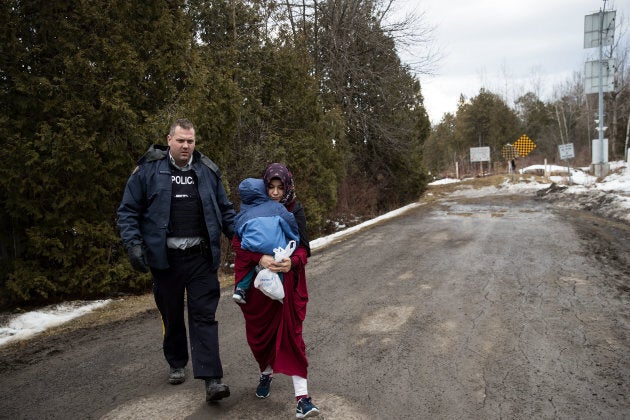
(452, 208)
(474, 214)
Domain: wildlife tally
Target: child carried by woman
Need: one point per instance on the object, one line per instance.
(262, 225)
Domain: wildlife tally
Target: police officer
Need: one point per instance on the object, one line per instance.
(172, 214)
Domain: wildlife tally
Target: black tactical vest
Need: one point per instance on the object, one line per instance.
(186, 211)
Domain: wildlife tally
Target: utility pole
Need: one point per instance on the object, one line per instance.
(601, 87)
(599, 29)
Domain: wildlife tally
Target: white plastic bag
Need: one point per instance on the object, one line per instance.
(281, 253)
(269, 282)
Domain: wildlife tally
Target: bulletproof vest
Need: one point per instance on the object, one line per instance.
(186, 209)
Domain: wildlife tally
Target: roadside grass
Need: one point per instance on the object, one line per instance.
(435, 192)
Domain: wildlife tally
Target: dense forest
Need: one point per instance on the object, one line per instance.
(87, 86)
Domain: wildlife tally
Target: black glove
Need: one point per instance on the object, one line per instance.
(138, 258)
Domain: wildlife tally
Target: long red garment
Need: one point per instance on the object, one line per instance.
(274, 329)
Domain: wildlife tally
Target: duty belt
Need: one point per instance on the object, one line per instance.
(193, 250)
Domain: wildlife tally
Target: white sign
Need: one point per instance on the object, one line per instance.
(480, 154)
(592, 70)
(599, 29)
(566, 151)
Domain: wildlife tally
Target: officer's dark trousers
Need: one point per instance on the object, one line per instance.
(194, 275)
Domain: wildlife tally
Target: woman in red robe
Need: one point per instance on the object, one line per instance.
(274, 328)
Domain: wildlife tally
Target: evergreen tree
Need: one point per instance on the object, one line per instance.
(487, 121)
(441, 151)
(279, 116)
(538, 123)
(86, 86)
(381, 102)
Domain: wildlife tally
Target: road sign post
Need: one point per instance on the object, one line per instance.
(566, 153)
(599, 30)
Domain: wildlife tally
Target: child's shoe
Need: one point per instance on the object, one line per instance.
(239, 296)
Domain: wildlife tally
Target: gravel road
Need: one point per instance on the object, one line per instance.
(496, 307)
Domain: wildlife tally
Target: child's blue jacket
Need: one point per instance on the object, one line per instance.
(262, 223)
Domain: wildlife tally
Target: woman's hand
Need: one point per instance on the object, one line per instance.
(283, 266)
(267, 261)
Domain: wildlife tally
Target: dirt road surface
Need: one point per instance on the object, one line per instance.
(500, 307)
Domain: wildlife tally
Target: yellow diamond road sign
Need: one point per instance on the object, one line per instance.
(524, 145)
(509, 152)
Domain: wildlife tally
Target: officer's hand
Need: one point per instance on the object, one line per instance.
(138, 258)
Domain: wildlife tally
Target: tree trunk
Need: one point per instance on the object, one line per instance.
(613, 134)
(625, 156)
(558, 118)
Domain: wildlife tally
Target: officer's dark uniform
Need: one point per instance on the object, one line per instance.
(161, 202)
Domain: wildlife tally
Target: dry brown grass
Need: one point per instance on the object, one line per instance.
(435, 192)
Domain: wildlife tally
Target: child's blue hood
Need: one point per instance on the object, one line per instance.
(252, 192)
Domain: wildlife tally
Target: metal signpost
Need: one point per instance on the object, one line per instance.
(566, 153)
(599, 30)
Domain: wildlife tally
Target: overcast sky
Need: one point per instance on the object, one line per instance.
(507, 46)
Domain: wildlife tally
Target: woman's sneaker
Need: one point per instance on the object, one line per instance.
(264, 386)
(305, 408)
(239, 296)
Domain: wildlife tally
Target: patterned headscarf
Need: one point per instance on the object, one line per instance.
(278, 170)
